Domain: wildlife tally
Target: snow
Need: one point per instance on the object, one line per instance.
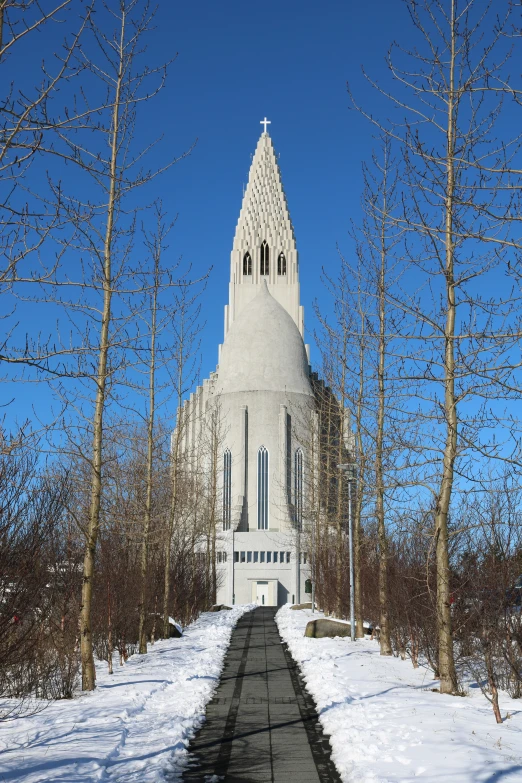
(386, 724)
(135, 726)
(384, 721)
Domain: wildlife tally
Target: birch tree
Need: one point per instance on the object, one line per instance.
(109, 160)
(184, 368)
(377, 241)
(155, 246)
(447, 91)
(169, 315)
(35, 104)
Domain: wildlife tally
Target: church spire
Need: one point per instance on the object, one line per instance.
(264, 248)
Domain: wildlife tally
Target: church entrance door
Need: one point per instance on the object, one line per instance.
(262, 593)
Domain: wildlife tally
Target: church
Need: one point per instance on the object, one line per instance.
(261, 404)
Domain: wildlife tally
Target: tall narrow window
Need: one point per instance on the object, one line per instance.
(262, 489)
(298, 494)
(281, 264)
(265, 258)
(247, 264)
(227, 489)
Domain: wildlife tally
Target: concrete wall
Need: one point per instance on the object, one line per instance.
(236, 578)
(278, 421)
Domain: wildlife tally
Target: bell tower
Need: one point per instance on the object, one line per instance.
(264, 248)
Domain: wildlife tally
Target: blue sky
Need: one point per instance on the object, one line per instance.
(290, 61)
(237, 62)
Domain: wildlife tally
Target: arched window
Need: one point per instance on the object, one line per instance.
(281, 264)
(265, 258)
(262, 489)
(247, 264)
(227, 489)
(298, 488)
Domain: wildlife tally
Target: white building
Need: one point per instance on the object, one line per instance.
(262, 393)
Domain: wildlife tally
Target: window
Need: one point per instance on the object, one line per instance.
(261, 557)
(269, 557)
(281, 264)
(262, 489)
(236, 557)
(265, 258)
(222, 557)
(227, 489)
(256, 557)
(249, 557)
(242, 557)
(281, 557)
(288, 557)
(298, 488)
(247, 264)
(275, 557)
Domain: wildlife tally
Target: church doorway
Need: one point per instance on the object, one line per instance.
(262, 593)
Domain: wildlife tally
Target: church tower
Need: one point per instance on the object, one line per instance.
(251, 422)
(264, 248)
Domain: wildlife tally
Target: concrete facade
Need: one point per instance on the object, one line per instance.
(264, 216)
(262, 396)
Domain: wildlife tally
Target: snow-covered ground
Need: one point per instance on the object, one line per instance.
(137, 724)
(386, 724)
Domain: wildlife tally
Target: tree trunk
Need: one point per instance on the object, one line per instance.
(341, 498)
(142, 634)
(361, 458)
(168, 542)
(448, 676)
(359, 619)
(174, 498)
(486, 645)
(153, 630)
(86, 649)
(2, 8)
(110, 648)
(385, 643)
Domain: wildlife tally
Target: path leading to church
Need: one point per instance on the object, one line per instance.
(262, 725)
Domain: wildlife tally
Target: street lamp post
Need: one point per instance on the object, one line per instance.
(349, 471)
(313, 565)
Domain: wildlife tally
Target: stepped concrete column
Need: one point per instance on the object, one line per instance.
(283, 456)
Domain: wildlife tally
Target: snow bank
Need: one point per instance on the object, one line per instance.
(386, 724)
(136, 726)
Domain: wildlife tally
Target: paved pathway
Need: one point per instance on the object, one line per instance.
(261, 726)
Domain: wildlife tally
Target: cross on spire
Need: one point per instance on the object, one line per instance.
(265, 122)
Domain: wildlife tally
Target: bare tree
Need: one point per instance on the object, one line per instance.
(184, 366)
(28, 118)
(105, 235)
(380, 273)
(174, 320)
(155, 247)
(458, 193)
(32, 510)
